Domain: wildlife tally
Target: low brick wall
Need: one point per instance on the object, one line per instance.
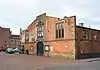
(88, 55)
(61, 56)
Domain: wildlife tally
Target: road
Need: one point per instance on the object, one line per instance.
(78, 65)
(26, 62)
(32, 62)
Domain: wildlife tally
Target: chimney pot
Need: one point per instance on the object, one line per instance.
(81, 24)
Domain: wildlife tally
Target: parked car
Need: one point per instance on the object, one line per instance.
(1, 48)
(21, 52)
(16, 50)
(4, 49)
(10, 50)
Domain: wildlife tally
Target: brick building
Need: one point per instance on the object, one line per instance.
(60, 37)
(4, 36)
(27, 40)
(87, 42)
(7, 39)
(15, 41)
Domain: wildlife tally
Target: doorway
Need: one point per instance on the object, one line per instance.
(40, 49)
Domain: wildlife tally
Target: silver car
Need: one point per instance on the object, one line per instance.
(10, 50)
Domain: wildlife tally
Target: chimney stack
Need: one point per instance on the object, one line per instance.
(81, 24)
(65, 16)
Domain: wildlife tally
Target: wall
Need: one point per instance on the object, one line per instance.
(28, 46)
(59, 44)
(89, 46)
(32, 34)
(63, 46)
(49, 28)
(22, 35)
(4, 36)
(15, 43)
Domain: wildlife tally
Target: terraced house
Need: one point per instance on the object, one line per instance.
(52, 36)
(7, 39)
(5, 33)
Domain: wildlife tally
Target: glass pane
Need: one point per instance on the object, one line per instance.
(85, 35)
(42, 27)
(62, 33)
(56, 26)
(26, 37)
(27, 33)
(62, 25)
(37, 28)
(59, 33)
(56, 33)
(38, 34)
(42, 33)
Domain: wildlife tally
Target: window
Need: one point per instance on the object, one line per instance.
(40, 31)
(5, 41)
(27, 36)
(60, 30)
(95, 37)
(40, 34)
(57, 34)
(40, 28)
(32, 39)
(11, 40)
(57, 27)
(27, 33)
(85, 35)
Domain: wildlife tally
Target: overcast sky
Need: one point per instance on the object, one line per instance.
(16, 14)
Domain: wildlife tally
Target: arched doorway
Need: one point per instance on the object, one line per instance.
(40, 48)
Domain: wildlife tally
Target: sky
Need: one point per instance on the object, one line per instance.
(16, 14)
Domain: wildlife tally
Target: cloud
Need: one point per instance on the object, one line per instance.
(20, 13)
(16, 14)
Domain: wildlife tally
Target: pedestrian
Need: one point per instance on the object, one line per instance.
(27, 51)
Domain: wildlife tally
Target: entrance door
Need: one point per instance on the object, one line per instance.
(40, 48)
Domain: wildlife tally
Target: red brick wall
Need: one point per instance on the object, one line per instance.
(59, 44)
(4, 36)
(27, 46)
(89, 46)
(63, 47)
(49, 35)
(49, 28)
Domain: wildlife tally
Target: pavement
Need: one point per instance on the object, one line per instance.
(75, 66)
(89, 60)
(32, 62)
(83, 64)
(27, 62)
